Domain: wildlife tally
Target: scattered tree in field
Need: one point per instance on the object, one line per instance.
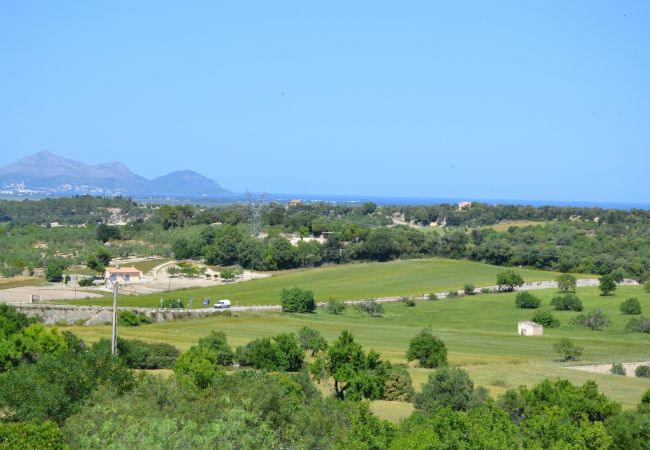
(198, 366)
(335, 306)
(631, 306)
(408, 301)
(527, 300)
(356, 375)
(607, 284)
(282, 353)
(399, 386)
(596, 320)
(428, 349)
(546, 319)
(618, 275)
(566, 302)
(566, 283)
(567, 350)
(311, 339)
(54, 271)
(297, 300)
(642, 371)
(617, 369)
(508, 280)
(447, 387)
(132, 319)
(639, 324)
(469, 289)
(105, 232)
(216, 342)
(371, 307)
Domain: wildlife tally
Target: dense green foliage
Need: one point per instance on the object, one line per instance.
(297, 300)
(566, 282)
(33, 435)
(128, 318)
(642, 371)
(546, 319)
(607, 284)
(281, 353)
(638, 324)
(508, 280)
(566, 302)
(217, 342)
(137, 354)
(428, 349)
(618, 369)
(447, 387)
(526, 300)
(595, 319)
(631, 306)
(311, 339)
(567, 350)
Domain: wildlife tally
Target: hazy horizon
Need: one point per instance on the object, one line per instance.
(546, 102)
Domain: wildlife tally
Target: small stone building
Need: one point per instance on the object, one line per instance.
(528, 328)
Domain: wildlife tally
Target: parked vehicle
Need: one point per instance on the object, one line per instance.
(222, 304)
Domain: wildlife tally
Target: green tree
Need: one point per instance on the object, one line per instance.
(399, 386)
(607, 284)
(566, 283)
(618, 369)
(447, 387)
(31, 435)
(642, 371)
(371, 307)
(546, 319)
(567, 350)
(527, 300)
(335, 307)
(428, 349)
(311, 339)
(508, 280)
(631, 306)
(566, 302)
(596, 320)
(216, 342)
(297, 300)
(198, 367)
(54, 271)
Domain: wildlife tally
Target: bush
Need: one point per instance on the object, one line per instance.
(631, 306)
(567, 349)
(408, 301)
(566, 283)
(132, 319)
(638, 325)
(452, 294)
(283, 353)
(567, 302)
(216, 342)
(617, 369)
(596, 320)
(607, 284)
(527, 300)
(140, 355)
(31, 435)
(297, 300)
(198, 367)
(469, 289)
(646, 286)
(85, 281)
(428, 349)
(173, 303)
(508, 280)
(432, 296)
(546, 319)
(54, 271)
(311, 339)
(486, 290)
(642, 371)
(371, 307)
(335, 307)
(448, 387)
(399, 386)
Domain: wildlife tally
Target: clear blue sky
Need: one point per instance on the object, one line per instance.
(546, 100)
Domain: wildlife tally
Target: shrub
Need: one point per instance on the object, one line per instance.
(54, 271)
(216, 342)
(408, 301)
(631, 306)
(567, 349)
(432, 296)
(508, 280)
(617, 369)
(132, 319)
(140, 355)
(371, 307)
(546, 318)
(607, 284)
(566, 283)
(618, 275)
(428, 349)
(173, 303)
(335, 307)
(31, 435)
(283, 353)
(596, 320)
(642, 372)
(646, 286)
(311, 339)
(399, 386)
(527, 300)
(85, 281)
(297, 300)
(486, 290)
(452, 294)
(448, 387)
(638, 325)
(198, 367)
(567, 302)
(469, 289)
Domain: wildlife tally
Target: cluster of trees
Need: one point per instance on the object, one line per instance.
(69, 394)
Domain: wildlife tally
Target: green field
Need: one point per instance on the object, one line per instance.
(480, 332)
(346, 282)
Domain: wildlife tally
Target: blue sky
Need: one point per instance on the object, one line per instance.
(543, 100)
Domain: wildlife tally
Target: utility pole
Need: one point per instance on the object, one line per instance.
(115, 283)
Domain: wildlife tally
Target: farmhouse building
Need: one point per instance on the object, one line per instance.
(123, 272)
(528, 328)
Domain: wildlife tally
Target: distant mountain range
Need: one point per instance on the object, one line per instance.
(49, 174)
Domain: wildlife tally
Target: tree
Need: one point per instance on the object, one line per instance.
(546, 319)
(596, 320)
(469, 289)
(447, 387)
(371, 307)
(631, 306)
(216, 342)
(356, 375)
(566, 283)
(335, 307)
(566, 302)
(642, 371)
(399, 386)
(527, 300)
(54, 271)
(281, 353)
(198, 367)
(104, 232)
(617, 369)
(607, 284)
(297, 300)
(311, 339)
(508, 280)
(428, 349)
(567, 350)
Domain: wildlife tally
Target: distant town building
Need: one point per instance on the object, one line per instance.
(464, 205)
(126, 273)
(295, 202)
(528, 328)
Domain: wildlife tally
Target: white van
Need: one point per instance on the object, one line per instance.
(222, 304)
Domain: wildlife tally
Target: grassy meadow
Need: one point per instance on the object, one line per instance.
(344, 282)
(480, 332)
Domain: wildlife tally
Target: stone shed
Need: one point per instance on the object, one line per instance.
(528, 328)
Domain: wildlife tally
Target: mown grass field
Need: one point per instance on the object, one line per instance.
(480, 332)
(503, 226)
(20, 281)
(345, 282)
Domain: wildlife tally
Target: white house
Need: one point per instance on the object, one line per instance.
(528, 328)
